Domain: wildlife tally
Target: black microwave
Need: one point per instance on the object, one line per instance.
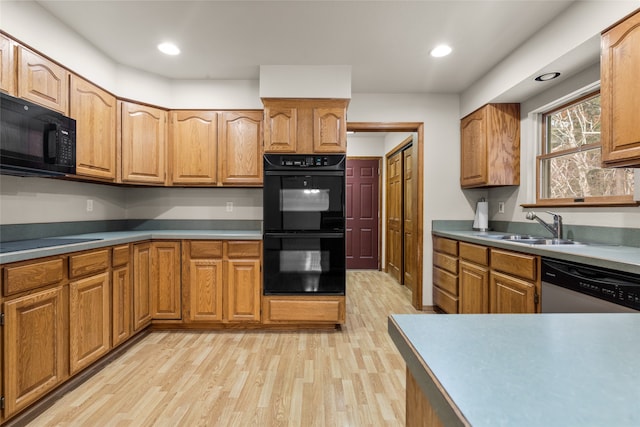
(35, 141)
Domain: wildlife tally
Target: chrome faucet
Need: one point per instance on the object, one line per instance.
(555, 229)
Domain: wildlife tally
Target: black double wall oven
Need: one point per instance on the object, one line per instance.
(304, 224)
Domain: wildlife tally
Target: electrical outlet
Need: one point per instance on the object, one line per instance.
(89, 205)
(229, 206)
(500, 207)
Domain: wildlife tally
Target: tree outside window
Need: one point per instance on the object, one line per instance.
(569, 169)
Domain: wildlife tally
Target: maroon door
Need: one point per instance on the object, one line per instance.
(362, 213)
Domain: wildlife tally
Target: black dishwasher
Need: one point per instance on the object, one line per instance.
(569, 287)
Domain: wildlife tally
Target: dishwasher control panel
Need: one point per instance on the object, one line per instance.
(609, 285)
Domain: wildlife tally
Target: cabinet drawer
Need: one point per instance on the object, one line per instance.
(87, 263)
(447, 246)
(120, 255)
(304, 310)
(445, 280)
(445, 262)
(33, 275)
(514, 263)
(205, 249)
(243, 249)
(474, 253)
(448, 303)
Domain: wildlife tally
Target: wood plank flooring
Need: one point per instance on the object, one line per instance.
(349, 377)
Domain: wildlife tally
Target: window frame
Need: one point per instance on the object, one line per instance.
(625, 200)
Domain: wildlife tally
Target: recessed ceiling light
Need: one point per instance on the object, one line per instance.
(169, 49)
(547, 76)
(440, 51)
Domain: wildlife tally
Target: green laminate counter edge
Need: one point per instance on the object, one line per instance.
(122, 237)
(620, 258)
(525, 370)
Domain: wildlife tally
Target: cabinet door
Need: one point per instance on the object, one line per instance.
(329, 130)
(143, 133)
(121, 310)
(280, 129)
(7, 66)
(240, 145)
(89, 321)
(95, 113)
(42, 81)
(141, 285)
(205, 290)
(473, 139)
(473, 283)
(243, 290)
(36, 328)
(165, 284)
(194, 145)
(511, 295)
(620, 92)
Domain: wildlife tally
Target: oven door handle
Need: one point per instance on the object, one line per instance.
(294, 235)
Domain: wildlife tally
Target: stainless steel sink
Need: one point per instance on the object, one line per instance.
(521, 237)
(553, 242)
(536, 240)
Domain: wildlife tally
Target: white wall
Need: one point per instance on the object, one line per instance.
(35, 200)
(194, 203)
(574, 27)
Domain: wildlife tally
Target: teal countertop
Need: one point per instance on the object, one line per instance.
(621, 258)
(525, 370)
(121, 237)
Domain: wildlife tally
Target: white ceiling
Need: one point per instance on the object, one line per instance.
(385, 42)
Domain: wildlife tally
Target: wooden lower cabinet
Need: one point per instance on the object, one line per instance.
(89, 320)
(222, 281)
(122, 299)
(303, 309)
(36, 341)
(243, 290)
(474, 289)
(166, 302)
(511, 295)
(514, 282)
(473, 279)
(141, 285)
(445, 274)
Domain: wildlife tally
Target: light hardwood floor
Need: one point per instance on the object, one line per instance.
(349, 377)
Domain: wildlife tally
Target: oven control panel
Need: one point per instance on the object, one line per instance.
(295, 161)
(305, 161)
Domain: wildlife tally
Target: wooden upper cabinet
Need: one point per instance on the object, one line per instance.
(42, 81)
(280, 129)
(330, 130)
(194, 144)
(95, 113)
(620, 93)
(305, 126)
(143, 132)
(240, 148)
(7, 66)
(490, 146)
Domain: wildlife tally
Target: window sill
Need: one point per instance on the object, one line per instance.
(630, 203)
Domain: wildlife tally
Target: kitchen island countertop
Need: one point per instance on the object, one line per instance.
(525, 370)
(112, 238)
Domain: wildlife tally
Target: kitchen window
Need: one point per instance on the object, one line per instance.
(569, 172)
